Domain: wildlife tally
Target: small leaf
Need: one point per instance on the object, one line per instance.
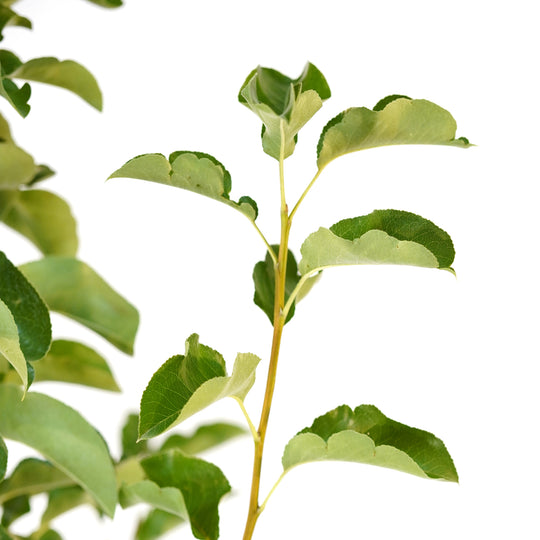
(65, 74)
(9, 344)
(156, 524)
(61, 500)
(265, 285)
(28, 310)
(201, 483)
(107, 3)
(193, 171)
(187, 384)
(72, 362)
(206, 437)
(394, 120)
(3, 458)
(18, 97)
(43, 217)
(365, 435)
(275, 98)
(72, 288)
(64, 437)
(17, 167)
(130, 433)
(382, 237)
(9, 18)
(14, 509)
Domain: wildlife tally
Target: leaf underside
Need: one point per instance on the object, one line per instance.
(367, 436)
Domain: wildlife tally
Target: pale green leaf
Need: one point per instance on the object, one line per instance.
(395, 120)
(64, 437)
(204, 438)
(33, 476)
(65, 74)
(187, 384)
(72, 362)
(382, 237)
(17, 167)
(3, 458)
(43, 217)
(9, 344)
(156, 524)
(277, 99)
(62, 500)
(201, 483)
(193, 171)
(72, 288)
(27, 309)
(9, 18)
(367, 436)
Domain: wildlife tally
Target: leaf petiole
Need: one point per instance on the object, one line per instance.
(252, 427)
(306, 191)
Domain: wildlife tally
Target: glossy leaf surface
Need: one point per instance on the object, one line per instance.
(193, 171)
(365, 435)
(43, 217)
(283, 103)
(72, 362)
(201, 483)
(187, 384)
(64, 437)
(382, 237)
(72, 288)
(28, 310)
(395, 120)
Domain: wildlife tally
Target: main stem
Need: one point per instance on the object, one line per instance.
(280, 270)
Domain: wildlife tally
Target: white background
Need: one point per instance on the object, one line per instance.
(457, 357)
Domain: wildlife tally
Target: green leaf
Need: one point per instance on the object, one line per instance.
(28, 310)
(394, 120)
(130, 434)
(193, 171)
(9, 18)
(43, 217)
(9, 343)
(365, 435)
(62, 500)
(65, 74)
(17, 97)
(187, 384)
(107, 3)
(72, 362)
(17, 167)
(64, 437)
(4, 534)
(276, 98)
(156, 524)
(382, 237)
(72, 288)
(14, 509)
(265, 284)
(204, 438)
(3, 458)
(201, 483)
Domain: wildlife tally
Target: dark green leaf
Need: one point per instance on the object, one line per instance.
(18, 298)
(72, 288)
(277, 99)
(42, 172)
(156, 524)
(10, 348)
(62, 500)
(202, 485)
(382, 237)
(18, 97)
(64, 437)
(43, 217)
(265, 284)
(187, 384)
(107, 3)
(3, 458)
(50, 535)
(72, 362)
(130, 434)
(4, 535)
(9, 18)
(14, 509)
(365, 435)
(394, 120)
(65, 74)
(193, 171)
(204, 438)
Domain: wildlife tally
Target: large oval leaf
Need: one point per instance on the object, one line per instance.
(394, 120)
(28, 310)
(283, 103)
(64, 437)
(382, 237)
(43, 217)
(72, 288)
(365, 435)
(187, 384)
(194, 171)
